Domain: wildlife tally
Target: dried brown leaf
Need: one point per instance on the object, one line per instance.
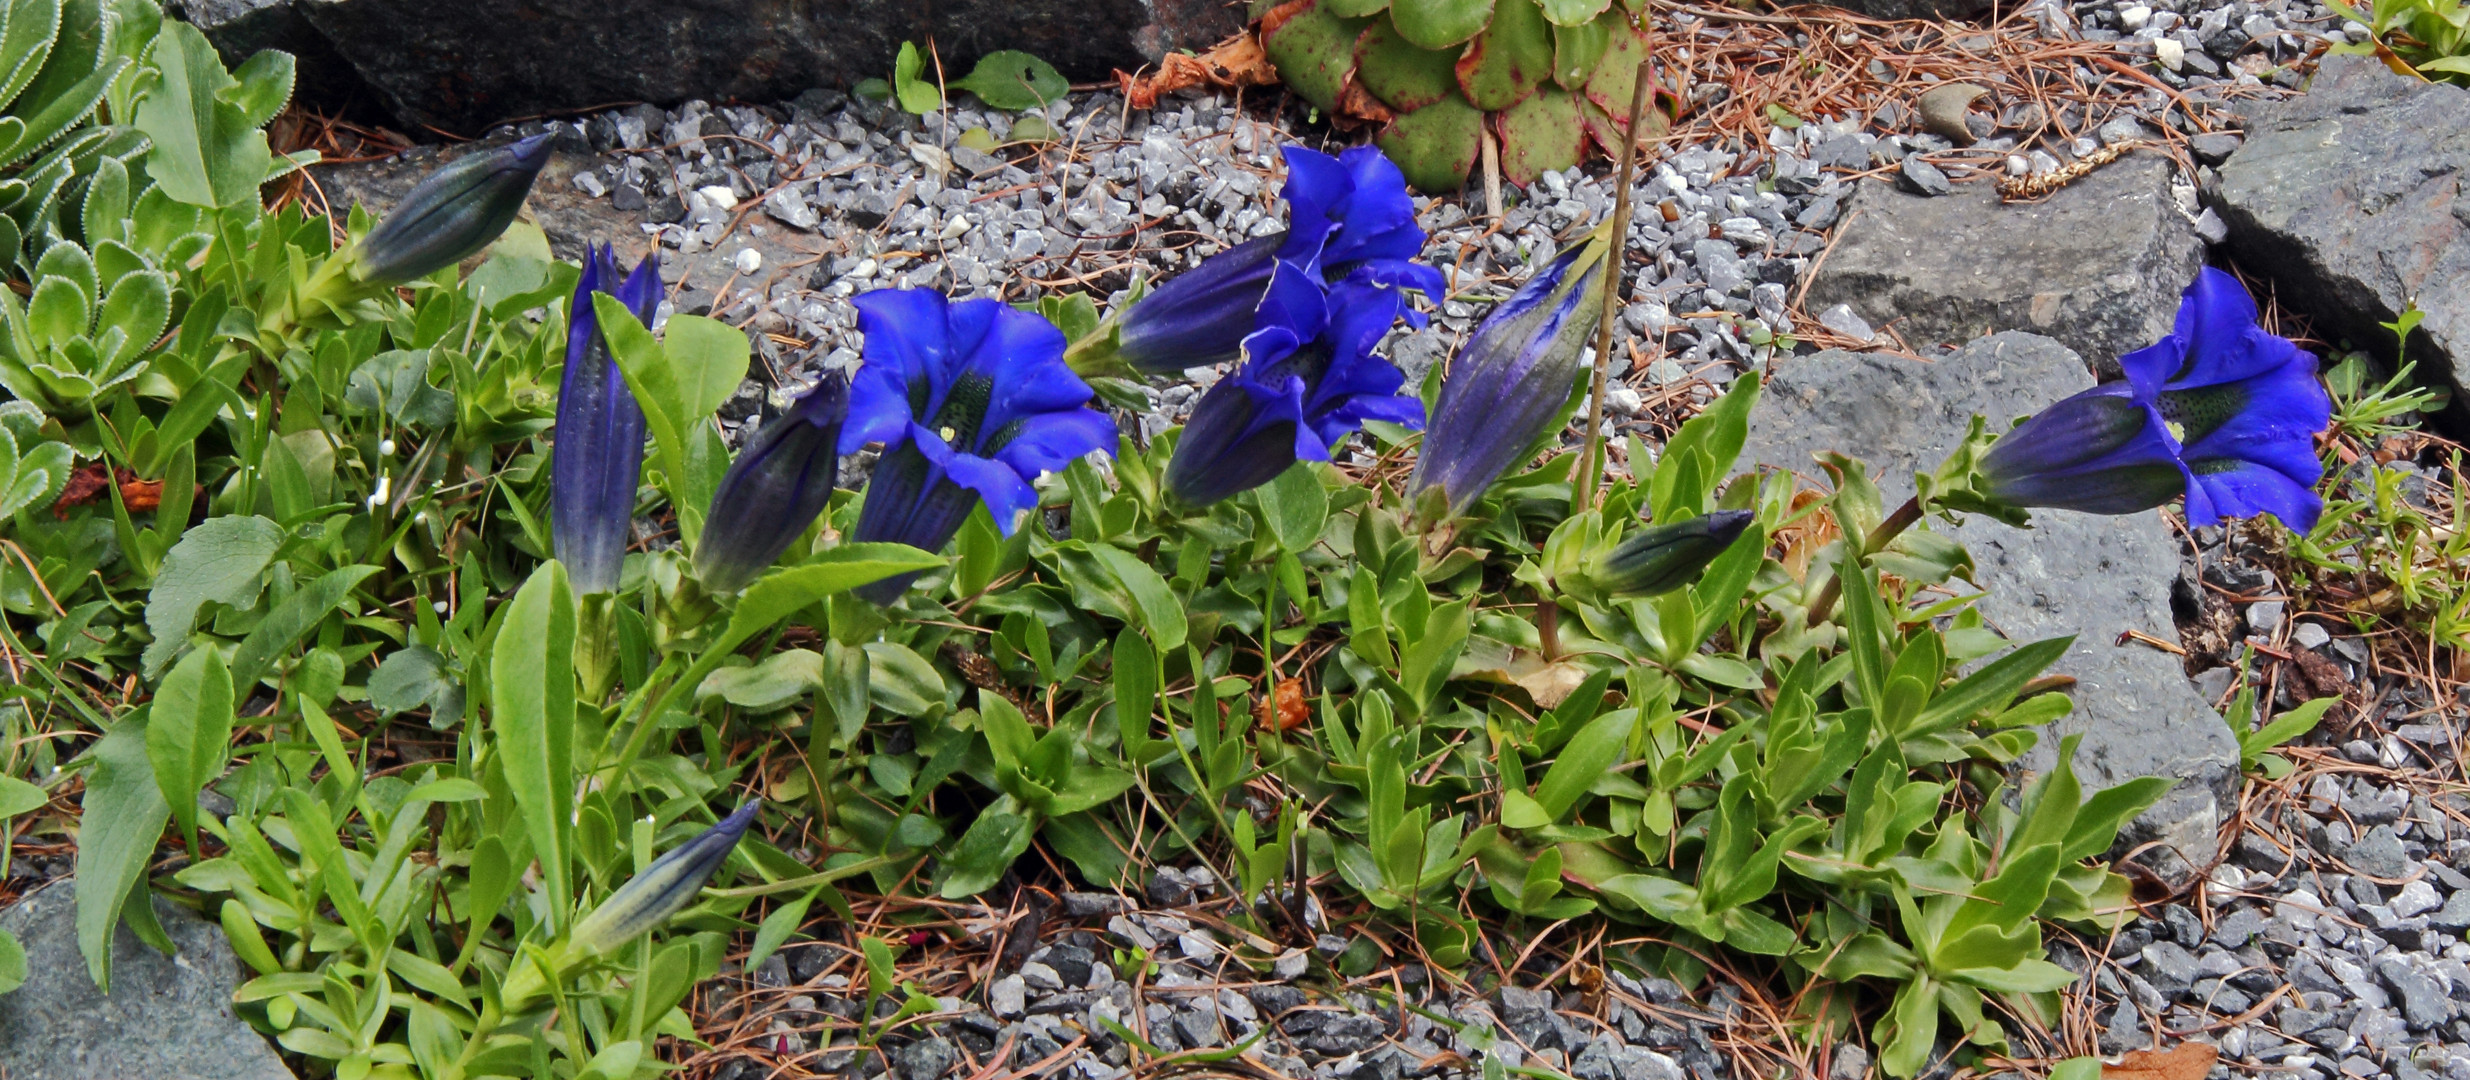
(2186, 1061)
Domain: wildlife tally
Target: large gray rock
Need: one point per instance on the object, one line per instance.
(2350, 199)
(2071, 573)
(2099, 265)
(464, 64)
(167, 1017)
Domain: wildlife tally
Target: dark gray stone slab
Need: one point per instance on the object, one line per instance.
(2350, 199)
(464, 64)
(2071, 573)
(2099, 265)
(167, 1017)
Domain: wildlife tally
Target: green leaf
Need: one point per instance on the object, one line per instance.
(768, 685)
(915, 95)
(292, 620)
(532, 719)
(2287, 726)
(1574, 12)
(1509, 59)
(1718, 433)
(783, 592)
(1992, 685)
(1595, 749)
(189, 732)
(1011, 79)
(220, 561)
(2077, 1068)
(123, 815)
(777, 926)
(1296, 506)
(1313, 51)
(18, 797)
(12, 963)
(997, 837)
(208, 150)
(2096, 825)
(414, 677)
(1136, 693)
(1403, 76)
(1160, 613)
(1439, 24)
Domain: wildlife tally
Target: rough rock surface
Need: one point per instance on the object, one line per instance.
(2350, 197)
(2078, 574)
(2098, 266)
(166, 1016)
(462, 64)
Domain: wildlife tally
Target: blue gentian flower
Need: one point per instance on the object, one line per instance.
(598, 459)
(2221, 410)
(972, 403)
(1314, 380)
(1349, 216)
(1514, 375)
(774, 489)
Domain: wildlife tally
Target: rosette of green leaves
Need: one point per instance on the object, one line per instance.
(1548, 78)
(59, 59)
(86, 327)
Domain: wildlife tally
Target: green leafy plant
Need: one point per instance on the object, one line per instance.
(2430, 38)
(1011, 79)
(1547, 78)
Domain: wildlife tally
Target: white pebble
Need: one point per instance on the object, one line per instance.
(749, 260)
(720, 196)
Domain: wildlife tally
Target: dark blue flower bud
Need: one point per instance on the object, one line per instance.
(1661, 558)
(598, 460)
(1513, 377)
(452, 213)
(779, 482)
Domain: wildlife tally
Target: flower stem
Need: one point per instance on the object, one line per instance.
(1592, 465)
(1886, 532)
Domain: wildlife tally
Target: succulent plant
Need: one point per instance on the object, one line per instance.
(1548, 78)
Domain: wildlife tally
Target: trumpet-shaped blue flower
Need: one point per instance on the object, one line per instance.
(2221, 410)
(779, 482)
(972, 403)
(661, 890)
(1314, 381)
(1349, 216)
(1512, 378)
(599, 453)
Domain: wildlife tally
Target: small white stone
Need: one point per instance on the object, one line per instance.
(2415, 898)
(1008, 996)
(2134, 16)
(1041, 976)
(719, 195)
(2171, 54)
(749, 260)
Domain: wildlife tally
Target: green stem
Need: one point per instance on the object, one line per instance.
(1592, 465)
(1886, 532)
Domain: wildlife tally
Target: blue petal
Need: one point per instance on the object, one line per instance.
(2233, 488)
(907, 341)
(640, 292)
(2217, 320)
(1200, 317)
(1294, 310)
(1005, 493)
(1316, 186)
(1377, 220)
(1048, 443)
(1023, 354)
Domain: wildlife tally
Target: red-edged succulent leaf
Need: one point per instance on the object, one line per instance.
(1616, 71)
(1353, 9)
(1542, 133)
(1312, 49)
(1435, 145)
(1506, 62)
(1398, 72)
(1605, 131)
(1575, 50)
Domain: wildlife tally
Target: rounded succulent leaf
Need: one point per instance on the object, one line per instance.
(1541, 134)
(1616, 69)
(1439, 24)
(1355, 9)
(1404, 77)
(1312, 50)
(1435, 145)
(1574, 12)
(1506, 62)
(1575, 50)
